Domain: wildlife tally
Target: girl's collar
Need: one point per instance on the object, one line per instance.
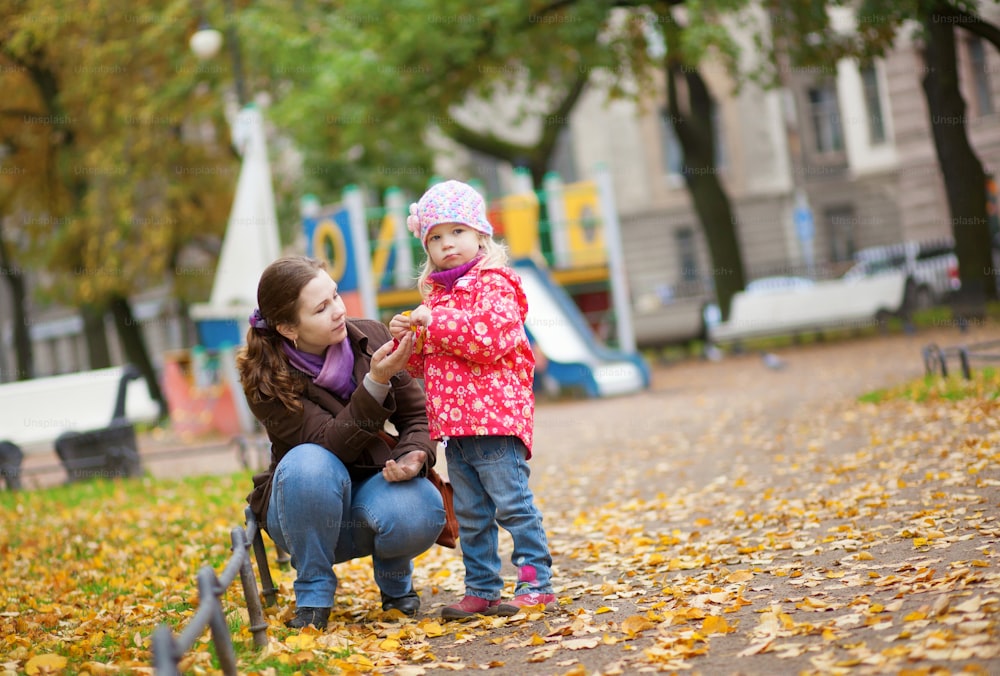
(447, 278)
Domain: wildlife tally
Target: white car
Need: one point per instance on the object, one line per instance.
(931, 268)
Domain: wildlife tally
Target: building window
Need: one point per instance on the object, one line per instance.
(828, 136)
(840, 230)
(686, 254)
(873, 103)
(980, 76)
(673, 154)
(562, 161)
(718, 138)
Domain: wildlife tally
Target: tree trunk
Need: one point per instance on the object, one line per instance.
(694, 131)
(24, 358)
(94, 334)
(964, 178)
(534, 158)
(134, 346)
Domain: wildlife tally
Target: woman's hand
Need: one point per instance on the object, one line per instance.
(387, 362)
(406, 467)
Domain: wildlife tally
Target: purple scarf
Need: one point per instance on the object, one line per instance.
(334, 371)
(447, 278)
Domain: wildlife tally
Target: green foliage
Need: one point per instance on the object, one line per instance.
(114, 168)
(984, 384)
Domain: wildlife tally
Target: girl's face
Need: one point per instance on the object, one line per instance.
(450, 245)
(322, 316)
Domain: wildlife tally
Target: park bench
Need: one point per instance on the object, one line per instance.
(71, 411)
(827, 304)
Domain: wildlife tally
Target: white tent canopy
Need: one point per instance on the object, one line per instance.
(251, 241)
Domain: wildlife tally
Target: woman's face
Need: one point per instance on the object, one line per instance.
(452, 244)
(322, 316)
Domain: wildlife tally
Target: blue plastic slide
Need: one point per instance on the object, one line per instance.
(576, 359)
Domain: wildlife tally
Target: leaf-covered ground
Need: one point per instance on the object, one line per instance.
(734, 520)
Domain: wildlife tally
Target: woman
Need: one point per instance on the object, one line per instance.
(323, 386)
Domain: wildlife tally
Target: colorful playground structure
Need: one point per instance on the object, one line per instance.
(563, 244)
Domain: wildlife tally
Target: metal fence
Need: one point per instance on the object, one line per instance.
(169, 649)
(936, 358)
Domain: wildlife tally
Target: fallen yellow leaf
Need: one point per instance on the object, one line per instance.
(301, 641)
(41, 664)
(715, 624)
(739, 576)
(635, 624)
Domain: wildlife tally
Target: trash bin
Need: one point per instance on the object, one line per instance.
(100, 454)
(10, 464)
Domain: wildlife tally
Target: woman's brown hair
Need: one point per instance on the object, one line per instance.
(264, 370)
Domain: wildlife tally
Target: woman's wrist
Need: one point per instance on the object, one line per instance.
(376, 388)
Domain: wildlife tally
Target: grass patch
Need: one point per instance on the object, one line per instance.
(984, 384)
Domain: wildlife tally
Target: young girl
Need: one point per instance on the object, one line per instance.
(477, 365)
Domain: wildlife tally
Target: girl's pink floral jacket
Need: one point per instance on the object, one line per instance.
(476, 362)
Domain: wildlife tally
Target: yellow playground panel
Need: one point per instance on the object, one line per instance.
(575, 247)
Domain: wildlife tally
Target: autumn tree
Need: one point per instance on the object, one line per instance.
(366, 86)
(115, 131)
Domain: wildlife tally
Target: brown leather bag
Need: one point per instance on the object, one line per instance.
(449, 534)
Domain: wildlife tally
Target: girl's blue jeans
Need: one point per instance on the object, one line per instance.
(490, 477)
(320, 518)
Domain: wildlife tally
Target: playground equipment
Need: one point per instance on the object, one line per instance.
(575, 359)
(570, 261)
(565, 239)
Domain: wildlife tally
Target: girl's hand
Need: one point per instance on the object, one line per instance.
(421, 316)
(399, 326)
(387, 362)
(406, 467)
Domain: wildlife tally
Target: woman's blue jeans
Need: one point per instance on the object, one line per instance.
(320, 518)
(490, 477)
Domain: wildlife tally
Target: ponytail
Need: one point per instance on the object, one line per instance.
(264, 371)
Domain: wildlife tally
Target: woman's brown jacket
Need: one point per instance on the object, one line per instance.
(351, 429)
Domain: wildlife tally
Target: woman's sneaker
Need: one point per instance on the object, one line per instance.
(304, 616)
(473, 605)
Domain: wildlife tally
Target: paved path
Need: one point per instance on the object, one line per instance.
(652, 500)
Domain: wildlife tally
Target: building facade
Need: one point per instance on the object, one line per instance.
(850, 144)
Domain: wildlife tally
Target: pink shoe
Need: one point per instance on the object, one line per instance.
(530, 600)
(524, 597)
(473, 605)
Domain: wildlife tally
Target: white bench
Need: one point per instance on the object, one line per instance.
(35, 412)
(829, 304)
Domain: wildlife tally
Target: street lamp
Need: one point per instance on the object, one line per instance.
(205, 44)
